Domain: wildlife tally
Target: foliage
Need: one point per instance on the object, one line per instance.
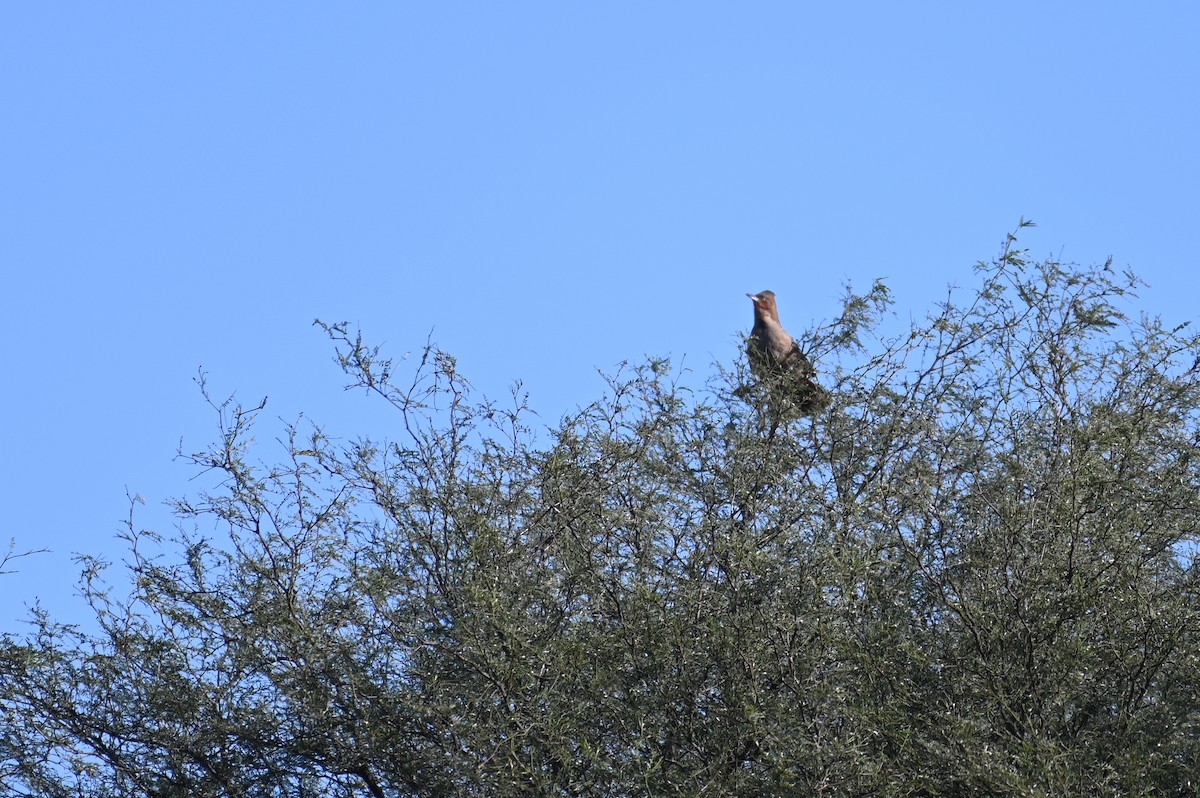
(973, 574)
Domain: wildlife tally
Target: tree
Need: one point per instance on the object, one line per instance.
(973, 574)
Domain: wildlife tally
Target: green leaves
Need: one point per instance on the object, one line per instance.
(973, 574)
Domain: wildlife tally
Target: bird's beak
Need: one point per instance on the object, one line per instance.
(753, 296)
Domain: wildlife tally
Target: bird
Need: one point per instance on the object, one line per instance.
(777, 361)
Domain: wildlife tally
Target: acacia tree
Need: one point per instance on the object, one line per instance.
(973, 574)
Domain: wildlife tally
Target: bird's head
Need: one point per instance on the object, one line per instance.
(764, 305)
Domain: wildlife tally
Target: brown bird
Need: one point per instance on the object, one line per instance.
(776, 359)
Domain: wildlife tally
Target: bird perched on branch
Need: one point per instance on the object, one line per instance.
(776, 359)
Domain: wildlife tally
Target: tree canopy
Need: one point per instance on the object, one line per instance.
(973, 574)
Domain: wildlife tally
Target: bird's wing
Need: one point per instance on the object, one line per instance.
(797, 362)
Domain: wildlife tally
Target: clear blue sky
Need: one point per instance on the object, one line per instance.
(550, 187)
